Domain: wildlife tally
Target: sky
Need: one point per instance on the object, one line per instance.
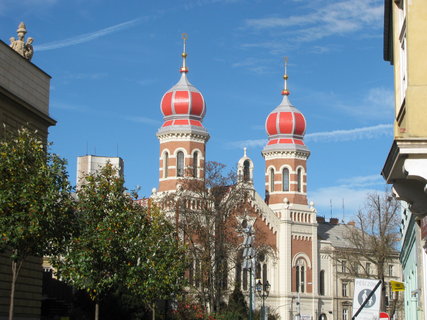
(112, 61)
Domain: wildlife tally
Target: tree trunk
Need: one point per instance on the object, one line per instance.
(16, 267)
(96, 310)
(153, 313)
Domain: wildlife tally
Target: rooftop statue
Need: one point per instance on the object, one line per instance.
(25, 49)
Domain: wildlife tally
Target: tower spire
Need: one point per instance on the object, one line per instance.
(285, 90)
(184, 68)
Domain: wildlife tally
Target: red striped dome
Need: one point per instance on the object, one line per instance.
(183, 101)
(285, 124)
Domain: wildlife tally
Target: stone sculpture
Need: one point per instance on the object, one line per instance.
(24, 49)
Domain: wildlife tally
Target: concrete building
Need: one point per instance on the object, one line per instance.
(24, 101)
(406, 164)
(90, 164)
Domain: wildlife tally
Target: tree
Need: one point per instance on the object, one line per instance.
(373, 239)
(36, 214)
(118, 243)
(208, 214)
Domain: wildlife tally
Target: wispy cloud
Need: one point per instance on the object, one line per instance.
(362, 181)
(350, 192)
(364, 133)
(370, 132)
(82, 76)
(335, 18)
(87, 36)
(141, 120)
(353, 199)
(252, 64)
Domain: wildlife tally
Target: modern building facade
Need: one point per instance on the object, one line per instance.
(90, 164)
(406, 164)
(24, 101)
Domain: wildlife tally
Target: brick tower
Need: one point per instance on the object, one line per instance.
(182, 136)
(286, 194)
(285, 154)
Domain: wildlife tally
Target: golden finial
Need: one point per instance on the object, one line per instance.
(184, 53)
(285, 91)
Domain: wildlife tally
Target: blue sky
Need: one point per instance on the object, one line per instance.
(111, 62)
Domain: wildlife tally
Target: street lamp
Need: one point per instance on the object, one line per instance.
(263, 290)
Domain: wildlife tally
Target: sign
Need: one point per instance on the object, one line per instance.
(384, 316)
(397, 286)
(362, 290)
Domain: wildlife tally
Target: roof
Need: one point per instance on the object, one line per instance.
(335, 233)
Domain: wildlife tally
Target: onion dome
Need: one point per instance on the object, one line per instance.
(183, 106)
(285, 125)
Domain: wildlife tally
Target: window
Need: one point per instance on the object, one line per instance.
(344, 314)
(322, 283)
(271, 180)
(390, 270)
(285, 179)
(343, 266)
(299, 180)
(246, 172)
(195, 163)
(368, 268)
(165, 165)
(345, 289)
(180, 164)
(300, 275)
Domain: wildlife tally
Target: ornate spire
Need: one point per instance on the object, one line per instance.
(184, 68)
(285, 91)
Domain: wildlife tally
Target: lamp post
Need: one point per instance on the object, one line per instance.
(263, 290)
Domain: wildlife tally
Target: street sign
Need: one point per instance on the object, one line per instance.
(362, 290)
(397, 286)
(384, 316)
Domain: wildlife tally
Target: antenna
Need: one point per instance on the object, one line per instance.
(330, 203)
(87, 148)
(117, 150)
(343, 211)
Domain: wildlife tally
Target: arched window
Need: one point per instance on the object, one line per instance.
(271, 180)
(322, 283)
(299, 180)
(285, 179)
(180, 164)
(195, 163)
(300, 275)
(165, 165)
(246, 172)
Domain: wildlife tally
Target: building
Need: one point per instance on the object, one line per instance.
(298, 259)
(90, 164)
(338, 269)
(24, 101)
(406, 163)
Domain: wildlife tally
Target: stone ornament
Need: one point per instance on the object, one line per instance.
(25, 49)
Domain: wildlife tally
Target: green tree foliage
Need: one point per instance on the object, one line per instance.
(120, 243)
(36, 215)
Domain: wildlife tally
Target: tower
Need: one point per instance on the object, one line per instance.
(286, 194)
(182, 136)
(285, 153)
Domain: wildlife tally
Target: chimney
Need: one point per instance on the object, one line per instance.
(333, 221)
(320, 219)
(352, 223)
